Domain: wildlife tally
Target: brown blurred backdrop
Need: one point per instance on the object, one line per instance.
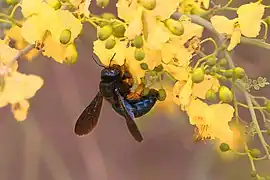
(44, 146)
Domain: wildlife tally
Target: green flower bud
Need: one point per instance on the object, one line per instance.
(228, 73)
(56, 4)
(102, 3)
(224, 147)
(222, 78)
(239, 73)
(176, 27)
(11, 2)
(225, 94)
(139, 54)
(198, 75)
(144, 66)
(105, 32)
(65, 36)
(110, 43)
(145, 91)
(118, 29)
(149, 4)
(253, 174)
(138, 41)
(211, 95)
(267, 105)
(161, 94)
(255, 153)
(107, 16)
(72, 54)
(223, 62)
(211, 61)
(158, 68)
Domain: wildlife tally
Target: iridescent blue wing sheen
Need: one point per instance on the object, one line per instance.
(129, 116)
(89, 117)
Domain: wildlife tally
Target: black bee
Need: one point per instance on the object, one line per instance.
(115, 86)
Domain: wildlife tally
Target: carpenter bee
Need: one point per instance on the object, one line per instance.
(115, 86)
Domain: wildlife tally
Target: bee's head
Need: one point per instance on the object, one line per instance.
(111, 73)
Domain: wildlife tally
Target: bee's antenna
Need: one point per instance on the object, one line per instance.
(97, 61)
(112, 59)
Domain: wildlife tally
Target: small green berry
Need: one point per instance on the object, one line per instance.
(211, 95)
(158, 68)
(105, 32)
(144, 66)
(176, 27)
(110, 43)
(118, 29)
(11, 2)
(255, 153)
(65, 36)
(107, 16)
(139, 54)
(198, 75)
(161, 94)
(225, 94)
(224, 147)
(149, 4)
(211, 61)
(223, 62)
(138, 42)
(228, 73)
(102, 3)
(239, 73)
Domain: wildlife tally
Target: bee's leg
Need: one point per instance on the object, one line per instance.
(137, 93)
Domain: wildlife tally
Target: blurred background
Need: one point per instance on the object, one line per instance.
(44, 146)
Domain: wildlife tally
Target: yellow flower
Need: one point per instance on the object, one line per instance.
(211, 121)
(7, 54)
(135, 26)
(105, 55)
(19, 87)
(248, 23)
(30, 7)
(249, 18)
(20, 110)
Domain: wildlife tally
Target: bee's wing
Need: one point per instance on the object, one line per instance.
(89, 117)
(129, 116)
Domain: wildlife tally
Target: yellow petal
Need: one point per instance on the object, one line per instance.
(250, 16)
(135, 26)
(198, 112)
(222, 24)
(30, 7)
(179, 73)
(200, 89)
(75, 3)
(235, 39)
(7, 53)
(176, 92)
(164, 9)
(20, 110)
(127, 9)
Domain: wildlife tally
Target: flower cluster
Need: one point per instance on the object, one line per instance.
(155, 39)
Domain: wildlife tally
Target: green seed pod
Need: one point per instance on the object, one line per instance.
(56, 4)
(228, 73)
(223, 62)
(211, 61)
(138, 42)
(11, 2)
(107, 16)
(211, 95)
(145, 92)
(176, 27)
(255, 153)
(65, 36)
(158, 68)
(110, 43)
(267, 105)
(149, 4)
(139, 54)
(162, 94)
(72, 56)
(225, 94)
(224, 147)
(118, 29)
(102, 3)
(105, 32)
(239, 73)
(144, 66)
(198, 75)
(253, 174)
